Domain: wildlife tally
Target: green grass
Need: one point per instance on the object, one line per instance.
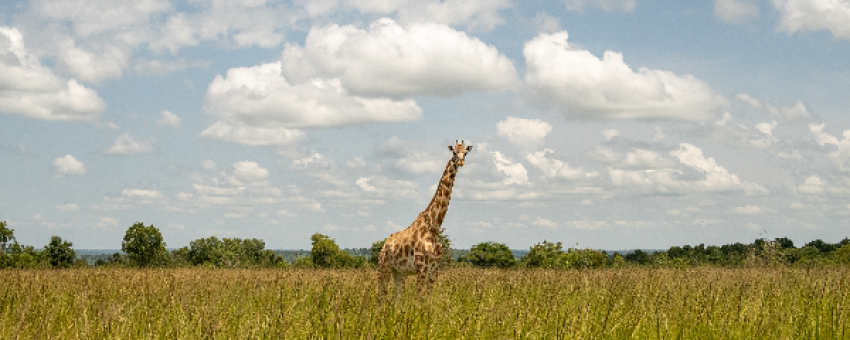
(699, 303)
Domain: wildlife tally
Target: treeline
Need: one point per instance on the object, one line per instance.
(143, 246)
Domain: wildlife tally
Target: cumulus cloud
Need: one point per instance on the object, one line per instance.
(798, 111)
(478, 15)
(547, 23)
(141, 193)
(515, 172)
(34, 91)
(126, 145)
(582, 85)
(68, 207)
(736, 11)
(748, 210)
(68, 165)
(815, 15)
(256, 136)
(698, 174)
(95, 63)
(605, 5)
(840, 148)
(395, 61)
(553, 167)
(257, 106)
(168, 119)
(527, 134)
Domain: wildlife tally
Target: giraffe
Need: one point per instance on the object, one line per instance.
(417, 249)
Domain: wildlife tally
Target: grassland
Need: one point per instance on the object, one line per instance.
(697, 303)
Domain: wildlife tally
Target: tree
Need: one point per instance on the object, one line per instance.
(327, 254)
(543, 255)
(59, 253)
(490, 254)
(144, 245)
(6, 236)
(375, 251)
(822, 246)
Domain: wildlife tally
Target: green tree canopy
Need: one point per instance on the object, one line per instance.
(59, 253)
(327, 254)
(144, 245)
(543, 255)
(6, 236)
(490, 254)
(375, 251)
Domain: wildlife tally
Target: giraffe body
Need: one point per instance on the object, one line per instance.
(417, 249)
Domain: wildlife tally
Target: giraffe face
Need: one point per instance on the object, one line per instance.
(460, 151)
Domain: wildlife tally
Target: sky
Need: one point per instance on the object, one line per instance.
(611, 124)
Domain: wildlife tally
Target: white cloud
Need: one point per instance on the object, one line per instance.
(585, 86)
(68, 207)
(163, 67)
(610, 134)
(256, 136)
(605, 5)
(479, 15)
(528, 134)
(815, 15)
(840, 148)
(395, 61)
(388, 188)
(168, 119)
(710, 177)
(767, 128)
(91, 17)
(68, 165)
(637, 158)
(736, 11)
(104, 62)
(546, 23)
(796, 112)
(748, 210)
(257, 106)
(209, 165)
(544, 223)
(141, 193)
(515, 172)
(34, 91)
(106, 222)
(553, 167)
(247, 171)
(126, 145)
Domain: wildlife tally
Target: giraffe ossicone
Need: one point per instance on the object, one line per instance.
(417, 249)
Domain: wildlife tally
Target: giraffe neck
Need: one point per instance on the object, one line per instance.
(440, 203)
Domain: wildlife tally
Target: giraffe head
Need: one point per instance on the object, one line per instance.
(460, 151)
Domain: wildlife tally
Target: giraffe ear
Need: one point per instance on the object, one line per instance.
(451, 148)
(469, 148)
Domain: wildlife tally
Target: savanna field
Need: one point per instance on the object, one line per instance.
(467, 303)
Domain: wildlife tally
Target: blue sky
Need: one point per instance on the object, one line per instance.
(606, 124)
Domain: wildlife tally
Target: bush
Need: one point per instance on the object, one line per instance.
(490, 254)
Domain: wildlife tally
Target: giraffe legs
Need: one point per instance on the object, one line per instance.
(399, 285)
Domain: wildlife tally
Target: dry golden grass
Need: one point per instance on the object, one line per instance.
(700, 303)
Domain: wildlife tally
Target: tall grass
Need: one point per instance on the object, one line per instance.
(702, 303)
